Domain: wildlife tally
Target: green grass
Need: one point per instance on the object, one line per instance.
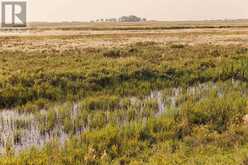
(202, 128)
(132, 70)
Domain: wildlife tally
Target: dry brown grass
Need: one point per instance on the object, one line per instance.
(34, 40)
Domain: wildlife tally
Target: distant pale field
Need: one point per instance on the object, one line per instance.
(40, 39)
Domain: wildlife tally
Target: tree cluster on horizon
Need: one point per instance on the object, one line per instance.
(130, 18)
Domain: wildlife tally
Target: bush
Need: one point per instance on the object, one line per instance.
(217, 112)
(177, 46)
(114, 53)
(104, 102)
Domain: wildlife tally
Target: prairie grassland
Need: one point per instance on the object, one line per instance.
(146, 96)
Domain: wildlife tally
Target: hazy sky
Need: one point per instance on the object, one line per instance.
(85, 10)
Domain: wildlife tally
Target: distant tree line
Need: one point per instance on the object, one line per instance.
(131, 18)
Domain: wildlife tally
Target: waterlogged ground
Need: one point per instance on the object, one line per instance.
(23, 131)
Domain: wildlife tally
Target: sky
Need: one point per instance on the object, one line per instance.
(86, 10)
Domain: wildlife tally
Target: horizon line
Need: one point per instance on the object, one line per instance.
(152, 20)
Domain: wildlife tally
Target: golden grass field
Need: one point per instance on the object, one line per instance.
(83, 35)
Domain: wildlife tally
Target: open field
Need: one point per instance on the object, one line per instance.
(154, 93)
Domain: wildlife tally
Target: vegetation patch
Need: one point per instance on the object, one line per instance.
(142, 103)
